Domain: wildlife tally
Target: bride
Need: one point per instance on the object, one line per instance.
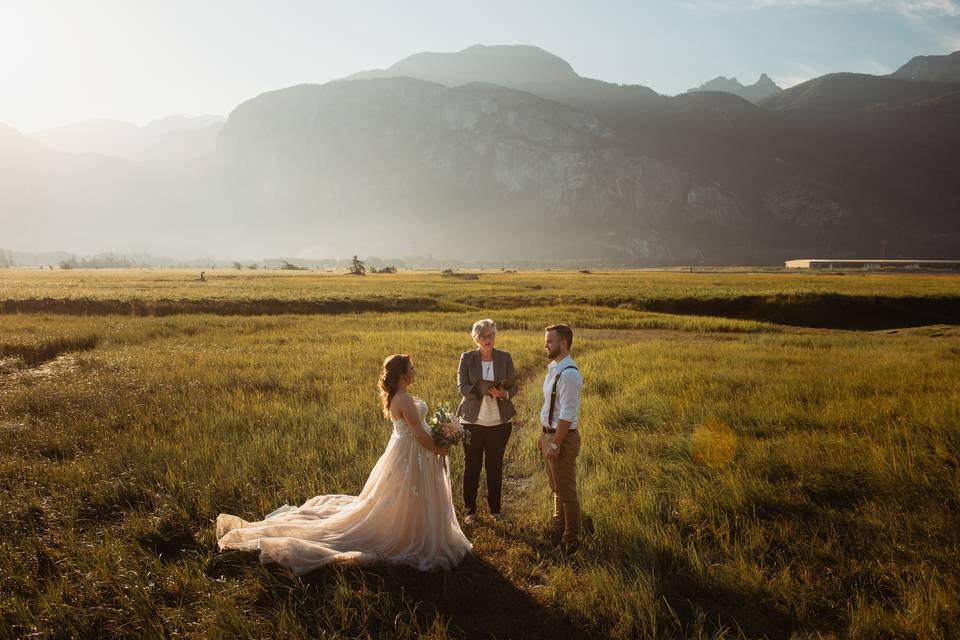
(403, 515)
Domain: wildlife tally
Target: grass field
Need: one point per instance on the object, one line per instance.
(741, 477)
(852, 300)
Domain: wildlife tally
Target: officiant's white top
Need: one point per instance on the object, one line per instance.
(568, 394)
(489, 415)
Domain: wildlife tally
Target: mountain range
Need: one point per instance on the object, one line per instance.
(764, 87)
(931, 68)
(126, 140)
(505, 152)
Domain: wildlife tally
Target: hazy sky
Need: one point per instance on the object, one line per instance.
(68, 60)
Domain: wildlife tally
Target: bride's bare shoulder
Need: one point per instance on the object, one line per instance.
(400, 402)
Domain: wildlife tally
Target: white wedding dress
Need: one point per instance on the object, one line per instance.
(403, 515)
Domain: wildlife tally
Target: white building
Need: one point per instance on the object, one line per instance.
(830, 263)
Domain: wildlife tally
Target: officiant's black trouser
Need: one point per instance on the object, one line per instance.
(489, 443)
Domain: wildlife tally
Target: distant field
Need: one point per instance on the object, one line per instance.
(148, 284)
(742, 478)
(854, 300)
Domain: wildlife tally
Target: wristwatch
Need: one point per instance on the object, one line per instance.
(553, 445)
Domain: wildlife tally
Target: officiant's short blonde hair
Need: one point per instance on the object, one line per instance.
(483, 327)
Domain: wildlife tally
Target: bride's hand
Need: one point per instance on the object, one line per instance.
(442, 451)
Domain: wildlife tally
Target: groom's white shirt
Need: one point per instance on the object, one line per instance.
(568, 394)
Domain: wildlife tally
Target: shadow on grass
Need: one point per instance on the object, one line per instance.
(687, 597)
(239, 307)
(38, 352)
(474, 600)
(821, 310)
(746, 609)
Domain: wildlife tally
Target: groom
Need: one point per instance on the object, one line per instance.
(560, 441)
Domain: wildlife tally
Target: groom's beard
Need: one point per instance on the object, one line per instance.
(553, 354)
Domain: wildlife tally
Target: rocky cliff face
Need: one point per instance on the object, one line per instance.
(832, 163)
(474, 152)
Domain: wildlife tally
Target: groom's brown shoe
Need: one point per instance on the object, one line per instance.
(555, 532)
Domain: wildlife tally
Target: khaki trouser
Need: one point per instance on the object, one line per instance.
(562, 474)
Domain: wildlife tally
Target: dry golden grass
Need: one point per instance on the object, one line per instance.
(223, 284)
(741, 479)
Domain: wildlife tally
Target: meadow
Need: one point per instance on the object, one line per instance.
(742, 476)
(836, 300)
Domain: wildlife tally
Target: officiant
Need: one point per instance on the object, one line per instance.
(487, 382)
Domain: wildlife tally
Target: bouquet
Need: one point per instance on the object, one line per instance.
(446, 429)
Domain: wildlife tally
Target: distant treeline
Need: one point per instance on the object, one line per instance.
(111, 260)
(102, 261)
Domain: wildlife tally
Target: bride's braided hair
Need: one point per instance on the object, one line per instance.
(394, 368)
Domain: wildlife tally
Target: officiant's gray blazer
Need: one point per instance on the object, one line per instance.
(473, 387)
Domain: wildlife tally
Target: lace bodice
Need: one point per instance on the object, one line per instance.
(400, 426)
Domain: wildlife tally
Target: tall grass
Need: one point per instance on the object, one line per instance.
(739, 479)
